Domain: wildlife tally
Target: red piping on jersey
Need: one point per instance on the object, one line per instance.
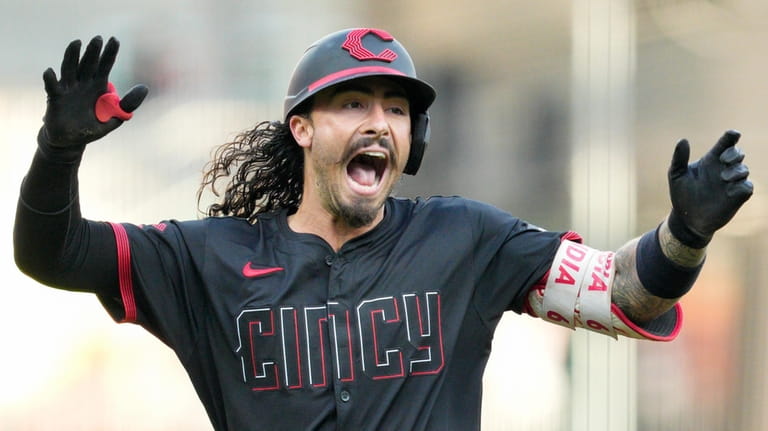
(376, 341)
(440, 333)
(320, 323)
(298, 355)
(353, 71)
(124, 277)
(351, 378)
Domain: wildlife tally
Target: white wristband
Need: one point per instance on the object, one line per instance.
(577, 293)
(566, 276)
(594, 303)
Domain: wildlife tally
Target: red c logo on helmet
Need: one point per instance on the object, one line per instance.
(354, 44)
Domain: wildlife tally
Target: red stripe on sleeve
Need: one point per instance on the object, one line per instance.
(124, 272)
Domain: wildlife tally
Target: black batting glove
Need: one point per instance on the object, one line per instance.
(707, 193)
(83, 106)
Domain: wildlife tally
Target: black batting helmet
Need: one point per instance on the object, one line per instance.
(355, 53)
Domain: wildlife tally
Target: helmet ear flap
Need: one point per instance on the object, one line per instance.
(419, 139)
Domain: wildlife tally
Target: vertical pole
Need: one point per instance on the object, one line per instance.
(603, 371)
(748, 412)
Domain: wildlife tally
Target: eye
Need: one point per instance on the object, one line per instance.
(398, 105)
(398, 110)
(354, 104)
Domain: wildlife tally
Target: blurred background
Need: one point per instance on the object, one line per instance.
(563, 113)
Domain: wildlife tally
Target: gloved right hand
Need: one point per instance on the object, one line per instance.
(706, 194)
(71, 119)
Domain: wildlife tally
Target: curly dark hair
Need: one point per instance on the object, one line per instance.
(268, 168)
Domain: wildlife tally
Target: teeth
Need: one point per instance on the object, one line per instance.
(375, 154)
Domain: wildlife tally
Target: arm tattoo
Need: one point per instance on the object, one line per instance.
(678, 252)
(628, 292)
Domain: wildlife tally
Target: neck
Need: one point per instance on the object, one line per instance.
(334, 230)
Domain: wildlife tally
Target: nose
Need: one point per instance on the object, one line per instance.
(376, 123)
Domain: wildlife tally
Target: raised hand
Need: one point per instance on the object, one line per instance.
(83, 105)
(707, 193)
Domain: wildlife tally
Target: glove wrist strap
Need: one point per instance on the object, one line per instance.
(684, 234)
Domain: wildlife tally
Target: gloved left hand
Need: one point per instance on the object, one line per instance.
(83, 106)
(706, 194)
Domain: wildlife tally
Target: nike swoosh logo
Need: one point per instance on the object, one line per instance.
(252, 272)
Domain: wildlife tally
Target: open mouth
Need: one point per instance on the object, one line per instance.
(368, 168)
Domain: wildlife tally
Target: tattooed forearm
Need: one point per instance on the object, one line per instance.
(628, 292)
(676, 251)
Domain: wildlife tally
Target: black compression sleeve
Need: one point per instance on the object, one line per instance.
(52, 242)
(50, 186)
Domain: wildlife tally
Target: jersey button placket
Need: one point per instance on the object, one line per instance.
(337, 262)
(345, 396)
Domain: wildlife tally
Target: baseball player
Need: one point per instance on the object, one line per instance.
(309, 298)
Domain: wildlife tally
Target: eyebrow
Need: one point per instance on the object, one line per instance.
(367, 90)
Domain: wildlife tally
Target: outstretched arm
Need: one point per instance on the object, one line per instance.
(52, 242)
(653, 272)
(637, 303)
(633, 292)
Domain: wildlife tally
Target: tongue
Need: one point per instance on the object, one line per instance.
(362, 174)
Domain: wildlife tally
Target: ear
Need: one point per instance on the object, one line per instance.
(301, 129)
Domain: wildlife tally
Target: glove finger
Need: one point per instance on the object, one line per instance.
(107, 60)
(69, 64)
(51, 82)
(90, 59)
(112, 124)
(133, 98)
(732, 156)
(735, 173)
(729, 139)
(741, 190)
(679, 165)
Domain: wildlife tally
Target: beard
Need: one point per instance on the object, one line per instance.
(357, 214)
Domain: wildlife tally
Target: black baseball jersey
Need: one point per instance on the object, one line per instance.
(279, 332)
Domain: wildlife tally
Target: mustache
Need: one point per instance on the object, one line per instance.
(365, 142)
